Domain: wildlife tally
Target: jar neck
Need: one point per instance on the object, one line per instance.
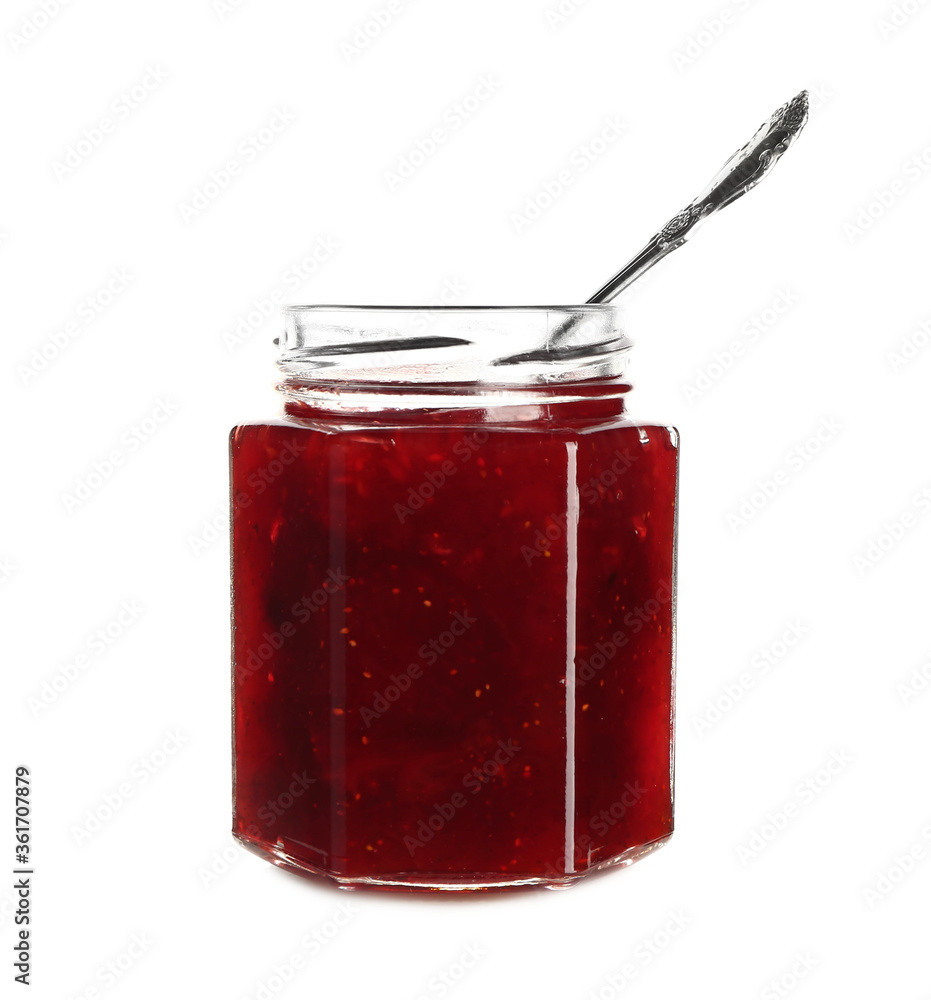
(497, 364)
(594, 400)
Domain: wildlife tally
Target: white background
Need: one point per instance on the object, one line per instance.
(687, 94)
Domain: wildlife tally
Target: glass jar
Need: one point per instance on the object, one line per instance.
(454, 565)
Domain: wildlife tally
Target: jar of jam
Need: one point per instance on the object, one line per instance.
(453, 568)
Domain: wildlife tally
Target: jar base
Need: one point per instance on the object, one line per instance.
(427, 882)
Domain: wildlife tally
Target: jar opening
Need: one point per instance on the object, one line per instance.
(440, 345)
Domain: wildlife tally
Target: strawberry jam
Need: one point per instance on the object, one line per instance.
(454, 638)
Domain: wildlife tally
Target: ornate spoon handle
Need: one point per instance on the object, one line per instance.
(742, 172)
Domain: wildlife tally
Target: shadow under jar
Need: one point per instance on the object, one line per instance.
(453, 602)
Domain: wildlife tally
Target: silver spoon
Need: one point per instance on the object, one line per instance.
(742, 172)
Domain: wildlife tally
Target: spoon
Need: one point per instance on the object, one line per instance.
(742, 172)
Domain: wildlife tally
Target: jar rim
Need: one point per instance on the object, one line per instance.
(596, 307)
(518, 345)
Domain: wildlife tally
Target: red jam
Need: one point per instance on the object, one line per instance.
(453, 643)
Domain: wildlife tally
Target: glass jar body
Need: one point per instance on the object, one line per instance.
(454, 637)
